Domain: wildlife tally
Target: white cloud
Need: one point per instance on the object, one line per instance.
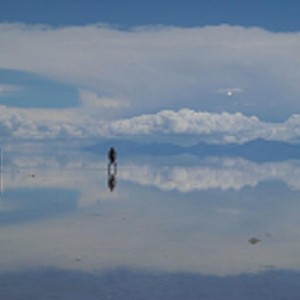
(80, 123)
(162, 67)
(186, 121)
(42, 123)
(213, 127)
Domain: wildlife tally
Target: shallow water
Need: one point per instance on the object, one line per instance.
(171, 228)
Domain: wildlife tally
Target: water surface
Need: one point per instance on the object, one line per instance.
(176, 227)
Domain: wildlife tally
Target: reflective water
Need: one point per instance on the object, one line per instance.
(153, 228)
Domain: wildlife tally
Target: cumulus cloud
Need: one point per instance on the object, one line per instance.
(42, 123)
(213, 127)
(202, 126)
(186, 121)
(161, 67)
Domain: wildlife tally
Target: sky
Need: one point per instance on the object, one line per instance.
(220, 71)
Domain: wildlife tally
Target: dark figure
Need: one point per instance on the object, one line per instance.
(112, 172)
(112, 155)
(111, 182)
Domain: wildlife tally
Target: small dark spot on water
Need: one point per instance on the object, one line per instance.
(254, 241)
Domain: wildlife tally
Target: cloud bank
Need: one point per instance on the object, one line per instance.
(137, 82)
(155, 68)
(210, 127)
(219, 128)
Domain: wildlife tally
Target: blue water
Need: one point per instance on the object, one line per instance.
(176, 227)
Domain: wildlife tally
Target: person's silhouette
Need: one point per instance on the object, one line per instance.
(112, 155)
(112, 172)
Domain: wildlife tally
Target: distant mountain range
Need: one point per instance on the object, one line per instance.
(257, 150)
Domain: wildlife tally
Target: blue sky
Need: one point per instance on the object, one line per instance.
(220, 71)
(276, 15)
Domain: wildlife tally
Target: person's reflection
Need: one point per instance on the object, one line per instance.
(112, 169)
(111, 182)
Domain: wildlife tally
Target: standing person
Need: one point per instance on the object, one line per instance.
(112, 155)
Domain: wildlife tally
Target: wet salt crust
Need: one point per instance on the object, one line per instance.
(184, 229)
(124, 284)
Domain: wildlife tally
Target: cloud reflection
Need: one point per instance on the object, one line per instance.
(214, 173)
(156, 228)
(221, 174)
